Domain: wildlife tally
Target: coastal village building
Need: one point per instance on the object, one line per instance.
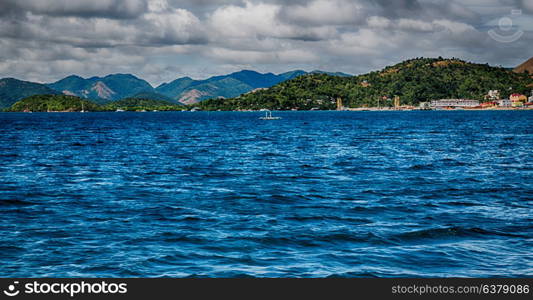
(424, 106)
(518, 100)
(489, 104)
(493, 95)
(454, 103)
(505, 103)
(397, 101)
(340, 106)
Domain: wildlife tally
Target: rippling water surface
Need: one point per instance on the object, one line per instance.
(315, 194)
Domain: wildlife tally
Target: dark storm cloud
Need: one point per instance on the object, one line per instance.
(399, 8)
(425, 10)
(120, 9)
(7, 8)
(202, 7)
(45, 40)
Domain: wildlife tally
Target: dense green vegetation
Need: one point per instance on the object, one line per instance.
(152, 96)
(414, 81)
(139, 104)
(44, 103)
(64, 103)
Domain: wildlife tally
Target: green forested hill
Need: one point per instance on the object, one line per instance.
(64, 103)
(13, 90)
(414, 81)
(43, 103)
(152, 96)
(137, 104)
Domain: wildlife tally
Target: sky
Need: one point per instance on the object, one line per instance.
(161, 40)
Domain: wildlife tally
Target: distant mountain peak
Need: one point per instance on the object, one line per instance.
(121, 75)
(294, 71)
(73, 76)
(11, 79)
(13, 90)
(340, 74)
(246, 71)
(192, 96)
(103, 91)
(526, 66)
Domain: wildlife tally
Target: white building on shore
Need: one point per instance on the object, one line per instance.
(454, 103)
(505, 103)
(493, 95)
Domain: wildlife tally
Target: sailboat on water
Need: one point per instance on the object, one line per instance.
(268, 116)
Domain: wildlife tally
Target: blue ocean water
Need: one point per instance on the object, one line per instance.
(316, 194)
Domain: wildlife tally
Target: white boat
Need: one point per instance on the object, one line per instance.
(268, 116)
(120, 110)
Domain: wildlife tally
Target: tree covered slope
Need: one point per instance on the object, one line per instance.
(414, 81)
(62, 103)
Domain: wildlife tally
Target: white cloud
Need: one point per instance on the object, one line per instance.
(172, 26)
(402, 24)
(163, 39)
(250, 20)
(455, 27)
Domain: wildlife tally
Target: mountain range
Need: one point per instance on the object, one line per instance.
(188, 91)
(102, 89)
(110, 88)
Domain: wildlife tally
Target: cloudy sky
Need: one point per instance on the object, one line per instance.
(161, 40)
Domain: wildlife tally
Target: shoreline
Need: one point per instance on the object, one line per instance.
(259, 111)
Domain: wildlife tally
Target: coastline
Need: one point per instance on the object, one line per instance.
(344, 110)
